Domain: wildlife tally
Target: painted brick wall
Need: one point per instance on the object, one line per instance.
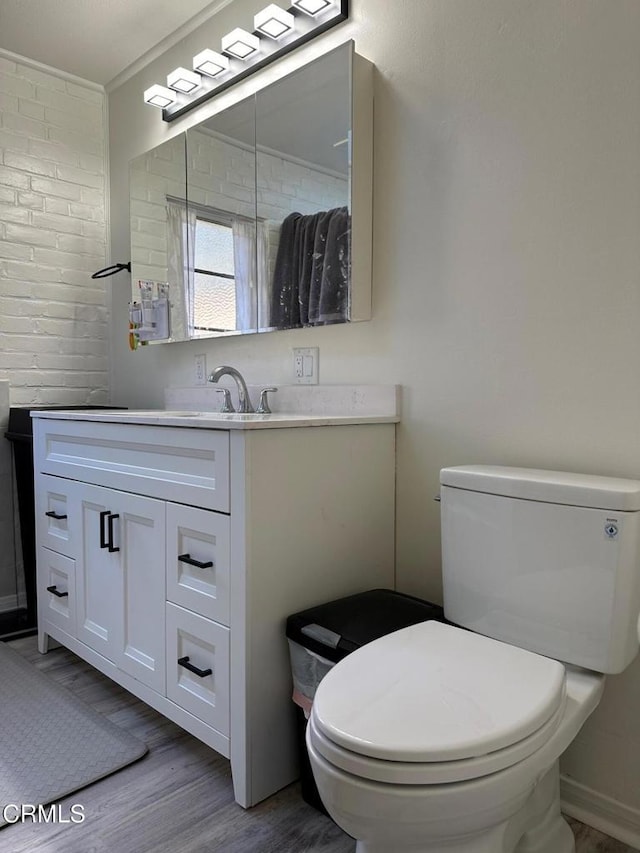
(53, 317)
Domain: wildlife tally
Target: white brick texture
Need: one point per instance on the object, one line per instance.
(53, 326)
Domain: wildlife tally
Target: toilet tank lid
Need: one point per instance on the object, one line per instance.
(560, 487)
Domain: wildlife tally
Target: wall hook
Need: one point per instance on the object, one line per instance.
(112, 270)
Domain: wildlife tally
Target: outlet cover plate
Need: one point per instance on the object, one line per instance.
(306, 361)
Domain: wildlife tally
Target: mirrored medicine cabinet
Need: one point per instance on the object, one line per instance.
(259, 218)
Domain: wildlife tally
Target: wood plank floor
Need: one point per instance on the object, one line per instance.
(179, 799)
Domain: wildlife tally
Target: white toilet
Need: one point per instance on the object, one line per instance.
(438, 739)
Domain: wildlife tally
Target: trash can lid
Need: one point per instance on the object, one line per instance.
(337, 628)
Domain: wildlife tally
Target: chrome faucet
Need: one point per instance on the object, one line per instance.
(244, 402)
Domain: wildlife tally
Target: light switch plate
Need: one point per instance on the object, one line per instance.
(305, 365)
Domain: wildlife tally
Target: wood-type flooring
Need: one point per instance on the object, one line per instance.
(179, 798)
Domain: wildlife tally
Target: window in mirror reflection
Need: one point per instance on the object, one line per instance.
(214, 283)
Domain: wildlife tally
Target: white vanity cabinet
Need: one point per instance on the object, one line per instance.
(169, 558)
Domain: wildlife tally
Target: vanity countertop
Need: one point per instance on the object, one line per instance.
(214, 420)
(305, 406)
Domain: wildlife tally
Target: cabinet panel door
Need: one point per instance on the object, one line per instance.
(139, 533)
(98, 576)
(121, 581)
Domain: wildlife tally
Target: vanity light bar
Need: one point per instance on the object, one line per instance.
(274, 22)
(240, 43)
(210, 63)
(277, 31)
(159, 96)
(183, 80)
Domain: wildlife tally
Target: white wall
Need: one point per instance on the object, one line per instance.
(53, 318)
(506, 260)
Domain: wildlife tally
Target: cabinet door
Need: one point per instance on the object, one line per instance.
(98, 576)
(121, 581)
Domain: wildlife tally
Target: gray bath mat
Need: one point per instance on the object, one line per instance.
(51, 743)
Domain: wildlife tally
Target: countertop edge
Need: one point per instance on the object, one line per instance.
(214, 420)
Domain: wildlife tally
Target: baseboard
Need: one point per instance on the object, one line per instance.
(600, 812)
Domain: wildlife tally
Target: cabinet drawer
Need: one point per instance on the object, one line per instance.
(203, 645)
(198, 561)
(54, 509)
(190, 466)
(57, 592)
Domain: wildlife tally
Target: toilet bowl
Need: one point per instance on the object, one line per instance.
(455, 747)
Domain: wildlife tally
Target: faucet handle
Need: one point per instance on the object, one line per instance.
(227, 405)
(263, 405)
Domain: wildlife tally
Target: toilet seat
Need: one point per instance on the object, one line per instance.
(433, 773)
(433, 703)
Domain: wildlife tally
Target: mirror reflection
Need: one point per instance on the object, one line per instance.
(221, 224)
(302, 155)
(154, 179)
(248, 215)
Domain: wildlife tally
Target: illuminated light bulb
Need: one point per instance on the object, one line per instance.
(274, 21)
(210, 62)
(312, 7)
(240, 43)
(159, 96)
(183, 80)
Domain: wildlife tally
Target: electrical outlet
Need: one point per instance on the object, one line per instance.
(200, 370)
(305, 365)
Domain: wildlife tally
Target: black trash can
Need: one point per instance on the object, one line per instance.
(321, 636)
(20, 434)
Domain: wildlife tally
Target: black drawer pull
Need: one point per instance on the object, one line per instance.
(201, 673)
(187, 558)
(55, 591)
(112, 547)
(53, 514)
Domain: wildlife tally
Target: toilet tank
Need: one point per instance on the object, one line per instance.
(544, 560)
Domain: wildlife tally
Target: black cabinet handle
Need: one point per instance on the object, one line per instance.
(201, 673)
(53, 514)
(187, 558)
(110, 521)
(54, 590)
(103, 536)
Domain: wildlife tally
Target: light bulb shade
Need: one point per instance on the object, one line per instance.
(240, 43)
(312, 7)
(183, 80)
(274, 22)
(210, 63)
(159, 96)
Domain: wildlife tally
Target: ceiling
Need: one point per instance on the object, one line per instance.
(95, 39)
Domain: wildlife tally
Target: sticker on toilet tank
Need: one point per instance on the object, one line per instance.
(611, 528)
